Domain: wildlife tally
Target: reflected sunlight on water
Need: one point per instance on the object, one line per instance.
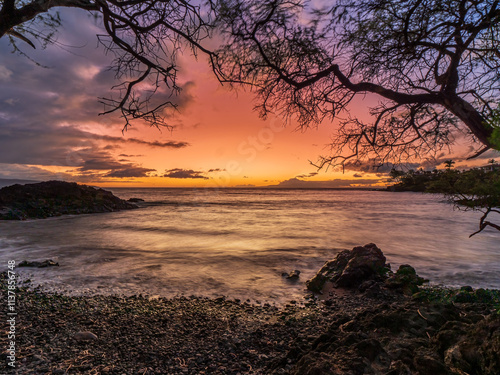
(237, 242)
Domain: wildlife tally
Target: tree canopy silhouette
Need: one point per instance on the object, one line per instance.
(144, 36)
(434, 65)
(472, 189)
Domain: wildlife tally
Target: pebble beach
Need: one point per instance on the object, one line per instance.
(344, 332)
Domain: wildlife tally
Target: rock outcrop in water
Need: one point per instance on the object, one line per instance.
(56, 198)
(364, 267)
(350, 268)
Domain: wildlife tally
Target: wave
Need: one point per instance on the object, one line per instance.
(277, 204)
(170, 229)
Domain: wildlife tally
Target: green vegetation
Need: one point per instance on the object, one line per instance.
(474, 189)
(465, 294)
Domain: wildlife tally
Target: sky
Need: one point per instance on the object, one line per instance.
(50, 127)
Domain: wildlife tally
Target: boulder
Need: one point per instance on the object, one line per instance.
(478, 350)
(350, 268)
(405, 279)
(55, 198)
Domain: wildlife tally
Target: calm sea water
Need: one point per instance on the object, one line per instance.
(238, 242)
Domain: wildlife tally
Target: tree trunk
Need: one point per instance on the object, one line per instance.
(470, 117)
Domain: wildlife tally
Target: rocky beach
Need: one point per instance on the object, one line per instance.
(379, 322)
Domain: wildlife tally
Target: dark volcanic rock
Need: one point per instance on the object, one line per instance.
(55, 198)
(45, 263)
(405, 279)
(350, 268)
(293, 275)
(406, 338)
(355, 334)
(135, 200)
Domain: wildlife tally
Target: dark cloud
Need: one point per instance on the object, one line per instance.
(312, 174)
(169, 144)
(368, 166)
(103, 163)
(216, 170)
(50, 145)
(129, 156)
(184, 173)
(185, 98)
(32, 173)
(69, 147)
(77, 73)
(132, 171)
(295, 183)
(38, 102)
(357, 175)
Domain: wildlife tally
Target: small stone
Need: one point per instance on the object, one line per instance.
(85, 336)
(294, 275)
(135, 200)
(366, 285)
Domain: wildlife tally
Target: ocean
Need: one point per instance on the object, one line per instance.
(238, 242)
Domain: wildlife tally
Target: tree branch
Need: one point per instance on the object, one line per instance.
(11, 17)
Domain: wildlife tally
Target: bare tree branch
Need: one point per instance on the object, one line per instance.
(145, 37)
(434, 63)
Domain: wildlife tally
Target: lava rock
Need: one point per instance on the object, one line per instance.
(405, 279)
(351, 268)
(293, 275)
(45, 263)
(135, 200)
(56, 198)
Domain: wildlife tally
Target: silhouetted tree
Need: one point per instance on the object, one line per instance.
(474, 189)
(449, 164)
(434, 64)
(144, 35)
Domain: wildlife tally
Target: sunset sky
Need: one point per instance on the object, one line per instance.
(50, 128)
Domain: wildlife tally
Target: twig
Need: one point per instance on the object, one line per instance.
(419, 313)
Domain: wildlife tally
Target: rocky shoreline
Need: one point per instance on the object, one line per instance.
(375, 326)
(56, 198)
